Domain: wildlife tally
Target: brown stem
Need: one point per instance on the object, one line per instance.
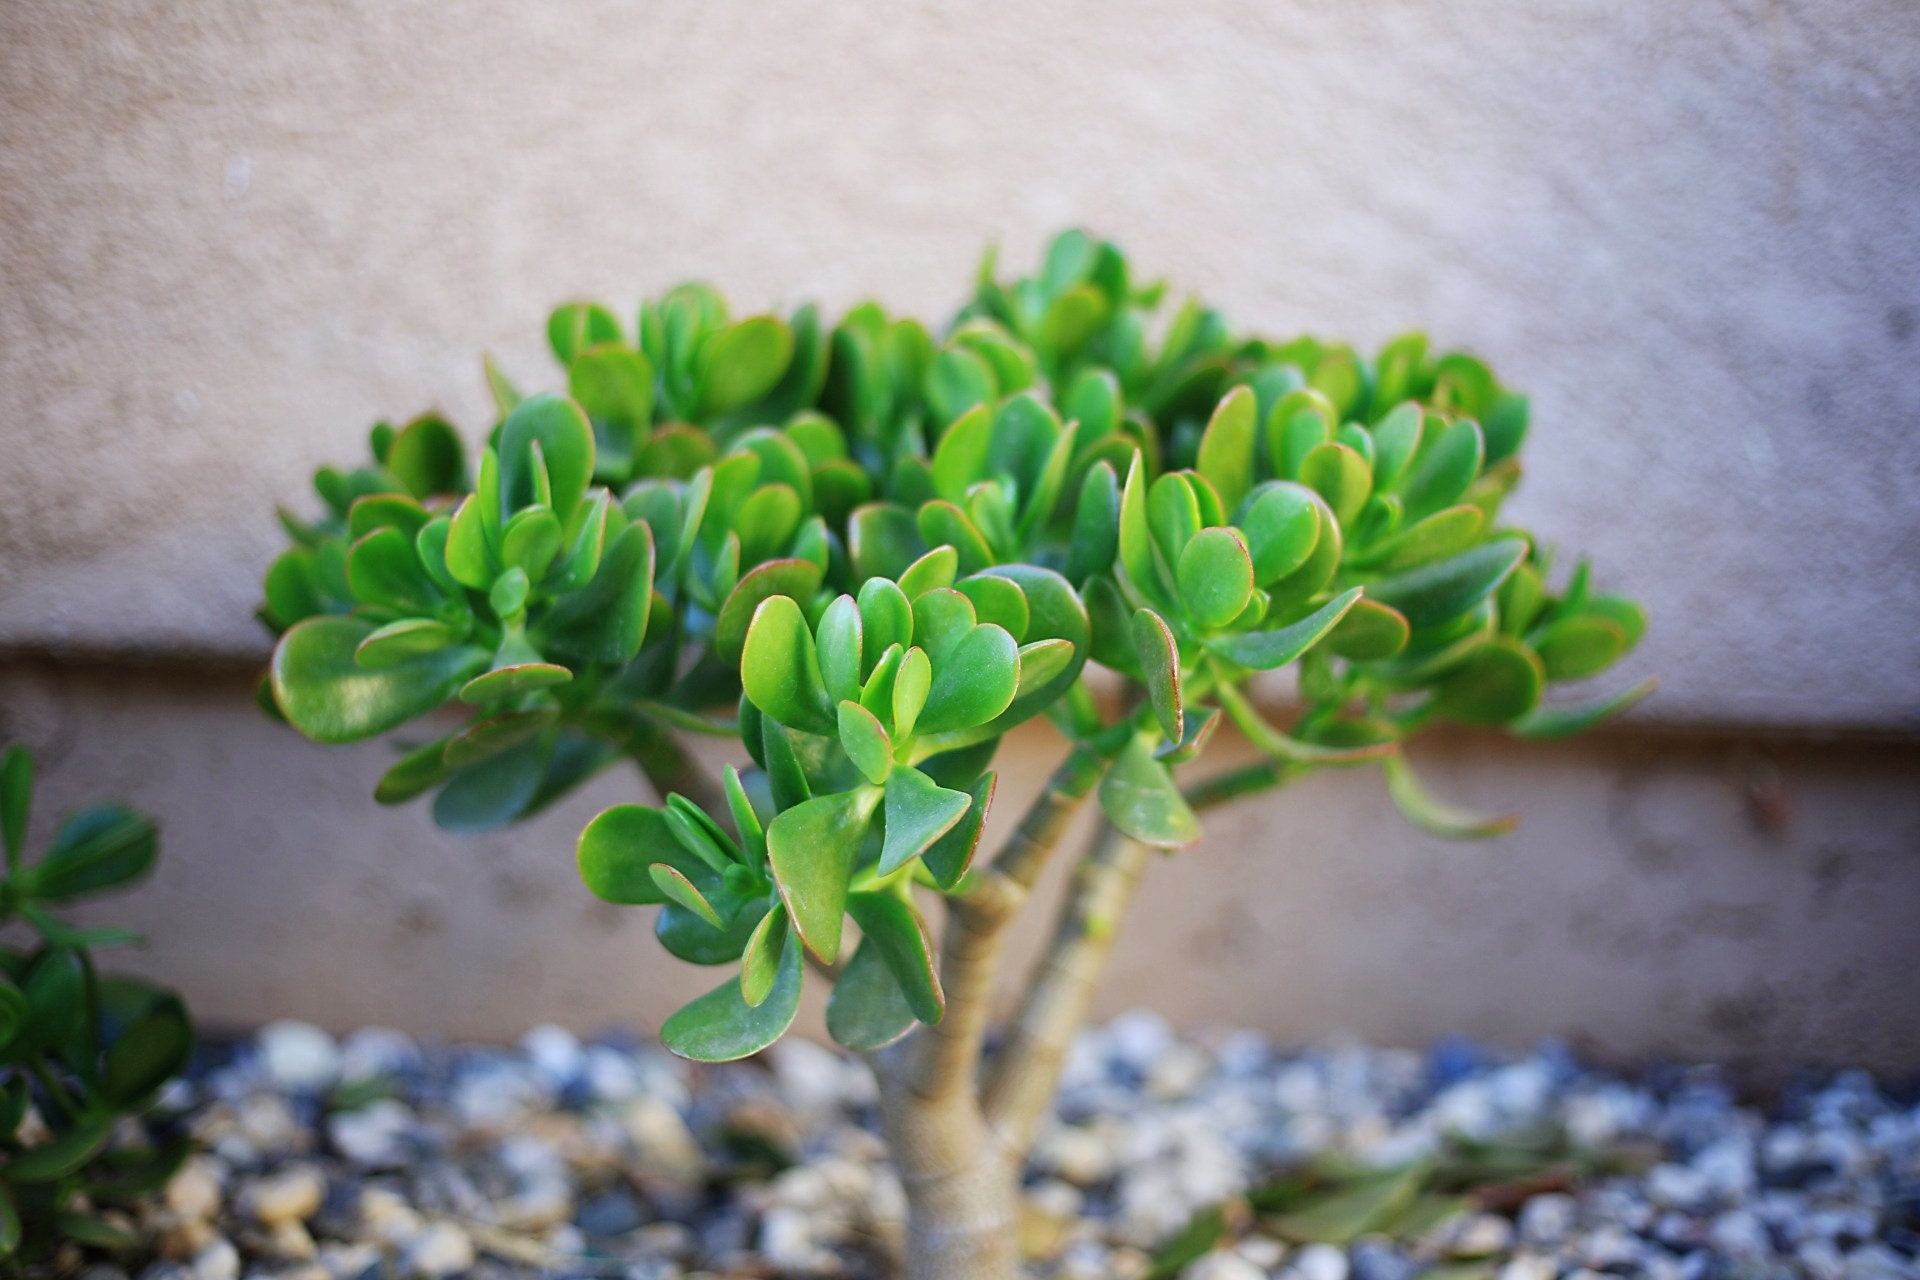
(945, 1057)
(1027, 1070)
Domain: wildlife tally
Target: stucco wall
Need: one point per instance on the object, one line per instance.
(236, 234)
(232, 236)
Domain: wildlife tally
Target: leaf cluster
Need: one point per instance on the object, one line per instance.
(866, 551)
(79, 1049)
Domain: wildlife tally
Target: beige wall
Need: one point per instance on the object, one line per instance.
(231, 236)
(1705, 895)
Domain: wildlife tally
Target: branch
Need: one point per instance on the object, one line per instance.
(1027, 1070)
(1232, 784)
(669, 767)
(945, 1057)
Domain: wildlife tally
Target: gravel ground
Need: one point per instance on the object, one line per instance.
(376, 1156)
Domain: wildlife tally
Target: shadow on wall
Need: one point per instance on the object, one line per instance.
(1709, 896)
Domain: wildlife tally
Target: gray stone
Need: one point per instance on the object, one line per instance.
(1222, 1265)
(442, 1249)
(1320, 1262)
(1547, 1219)
(298, 1055)
(374, 1136)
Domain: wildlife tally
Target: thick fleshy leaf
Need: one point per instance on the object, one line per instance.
(384, 569)
(933, 571)
(484, 739)
(1437, 816)
(918, 812)
(882, 540)
(961, 456)
(1198, 730)
(330, 697)
(150, 1051)
(544, 435)
(1268, 740)
(606, 620)
(1226, 448)
(1159, 656)
(1281, 524)
(1447, 464)
(1096, 525)
(998, 600)
(1497, 682)
(865, 741)
(1136, 538)
(948, 858)
(614, 384)
(867, 1009)
(1396, 439)
(61, 1156)
(780, 670)
(1266, 650)
(1579, 646)
(722, 1027)
(414, 774)
(941, 523)
(400, 641)
(812, 848)
(886, 617)
(1444, 533)
(687, 937)
(785, 778)
(530, 541)
(675, 887)
(512, 681)
(911, 684)
(839, 644)
(1370, 632)
(427, 457)
(1546, 723)
(98, 848)
(16, 799)
(799, 579)
(1339, 475)
(974, 681)
(575, 326)
(1174, 516)
(1301, 421)
(958, 381)
(889, 922)
(1054, 612)
(1445, 589)
(742, 362)
(488, 795)
(760, 962)
(619, 848)
(1622, 613)
(1215, 575)
(941, 619)
(1140, 798)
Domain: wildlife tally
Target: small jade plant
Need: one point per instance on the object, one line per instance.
(867, 552)
(80, 1050)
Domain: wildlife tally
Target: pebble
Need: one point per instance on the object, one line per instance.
(290, 1196)
(299, 1056)
(443, 1249)
(612, 1150)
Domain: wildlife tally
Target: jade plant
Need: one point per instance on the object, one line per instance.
(80, 1050)
(867, 552)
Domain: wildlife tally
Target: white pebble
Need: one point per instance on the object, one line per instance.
(373, 1136)
(1547, 1219)
(441, 1250)
(1262, 1251)
(290, 1196)
(1220, 1265)
(1480, 1236)
(555, 1053)
(194, 1191)
(786, 1239)
(1529, 1266)
(218, 1261)
(298, 1055)
(1320, 1262)
(371, 1053)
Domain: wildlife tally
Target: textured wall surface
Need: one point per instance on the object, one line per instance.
(1694, 895)
(234, 235)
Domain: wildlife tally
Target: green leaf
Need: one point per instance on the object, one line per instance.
(384, 569)
(760, 962)
(867, 1009)
(415, 774)
(1215, 575)
(1445, 589)
(1139, 797)
(974, 681)
(798, 579)
(1174, 516)
(1192, 1242)
(544, 434)
(575, 326)
(530, 541)
(998, 600)
(865, 741)
(150, 1052)
(742, 363)
(886, 617)
(1437, 816)
(687, 937)
(1396, 440)
(841, 649)
(1444, 533)
(1370, 632)
(10, 1221)
(934, 571)
(812, 848)
(1447, 464)
(62, 1156)
(330, 697)
(1623, 613)
(722, 1027)
(1353, 1210)
(617, 852)
(1136, 538)
(942, 524)
(785, 778)
(958, 381)
(98, 848)
(614, 384)
(961, 456)
(1271, 741)
(1339, 475)
(918, 812)
(1496, 682)
(1267, 650)
(13, 1011)
(1096, 525)
(675, 887)
(606, 620)
(911, 685)
(513, 681)
(1226, 448)
(780, 671)
(882, 540)
(92, 1229)
(428, 458)
(1159, 656)
(1054, 612)
(403, 640)
(889, 922)
(1579, 646)
(1282, 526)
(1546, 723)
(487, 795)
(948, 858)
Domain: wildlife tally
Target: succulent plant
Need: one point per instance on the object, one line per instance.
(79, 1049)
(868, 552)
